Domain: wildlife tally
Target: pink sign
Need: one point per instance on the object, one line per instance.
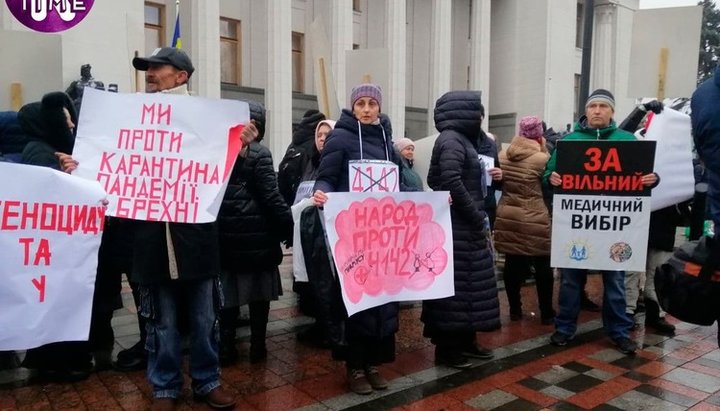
(390, 247)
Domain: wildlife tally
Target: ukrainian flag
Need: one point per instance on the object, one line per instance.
(177, 40)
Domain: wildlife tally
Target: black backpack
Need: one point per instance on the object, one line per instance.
(688, 284)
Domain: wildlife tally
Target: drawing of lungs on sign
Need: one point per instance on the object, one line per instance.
(387, 247)
(368, 176)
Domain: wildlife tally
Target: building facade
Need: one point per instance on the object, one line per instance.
(524, 55)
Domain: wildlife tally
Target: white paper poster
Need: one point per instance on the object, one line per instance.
(390, 246)
(50, 229)
(160, 157)
(673, 158)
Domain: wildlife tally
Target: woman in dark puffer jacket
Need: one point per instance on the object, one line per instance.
(361, 134)
(253, 220)
(451, 322)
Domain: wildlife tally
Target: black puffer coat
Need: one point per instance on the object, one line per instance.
(341, 146)
(454, 167)
(253, 218)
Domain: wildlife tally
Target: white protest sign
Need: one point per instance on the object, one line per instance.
(50, 229)
(488, 163)
(601, 209)
(673, 158)
(373, 175)
(160, 157)
(423, 152)
(390, 247)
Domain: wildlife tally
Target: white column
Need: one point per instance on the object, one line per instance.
(440, 55)
(204, 45)
(278, 92)
(604, 45)
(480, 52)
(341, 31)
(394, 97)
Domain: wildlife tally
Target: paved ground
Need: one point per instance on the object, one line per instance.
(676, 373)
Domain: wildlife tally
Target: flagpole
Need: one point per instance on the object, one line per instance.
(177, 41)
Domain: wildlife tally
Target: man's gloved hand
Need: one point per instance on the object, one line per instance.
(654, 106)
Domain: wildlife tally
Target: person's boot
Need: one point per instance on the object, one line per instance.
(228, 349)
(654, 321)
(259, 312)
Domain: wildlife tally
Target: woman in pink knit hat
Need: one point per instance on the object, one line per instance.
(522, 227)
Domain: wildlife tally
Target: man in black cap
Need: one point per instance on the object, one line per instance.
(596, 124)
(175, 262)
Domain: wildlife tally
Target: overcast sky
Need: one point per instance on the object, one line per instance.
(651, 4)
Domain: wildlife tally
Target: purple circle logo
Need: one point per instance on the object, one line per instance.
(49, 16)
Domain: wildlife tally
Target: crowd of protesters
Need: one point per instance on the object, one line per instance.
(192, 279)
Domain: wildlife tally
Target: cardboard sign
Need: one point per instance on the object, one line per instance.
(390, 247)
(160, 157)
(602, 210)
(50, 229)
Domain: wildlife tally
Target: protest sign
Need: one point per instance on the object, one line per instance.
(390, 246)
(373, 175)
(673, 158)
(601, 209)
(50, 229)
(160, 157)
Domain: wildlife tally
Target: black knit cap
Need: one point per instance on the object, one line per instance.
(601, 95)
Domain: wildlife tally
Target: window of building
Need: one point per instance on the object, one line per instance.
(154, 27)
(230, 51)
(356, 46)
(356, 5)
(579, 26)
(298, 62)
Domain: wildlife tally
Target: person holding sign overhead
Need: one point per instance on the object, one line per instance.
(359, 157)
(451, 323)
(596, 124)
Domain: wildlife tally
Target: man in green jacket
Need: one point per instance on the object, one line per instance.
(596, 124)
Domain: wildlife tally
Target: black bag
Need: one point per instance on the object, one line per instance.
(688, 284)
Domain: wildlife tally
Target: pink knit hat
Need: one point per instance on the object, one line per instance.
(366, 90)
(403, 142)
(531, 127)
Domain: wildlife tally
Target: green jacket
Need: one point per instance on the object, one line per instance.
(582, 132)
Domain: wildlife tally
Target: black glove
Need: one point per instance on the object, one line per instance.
(654, 106)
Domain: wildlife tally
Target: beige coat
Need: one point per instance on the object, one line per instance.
(522, 225)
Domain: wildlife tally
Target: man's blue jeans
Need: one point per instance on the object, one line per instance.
(159, 303)
(616, 323)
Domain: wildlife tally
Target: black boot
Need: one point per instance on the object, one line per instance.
(259, 312)
(228, 324)
(653, 320)
(135, 357)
